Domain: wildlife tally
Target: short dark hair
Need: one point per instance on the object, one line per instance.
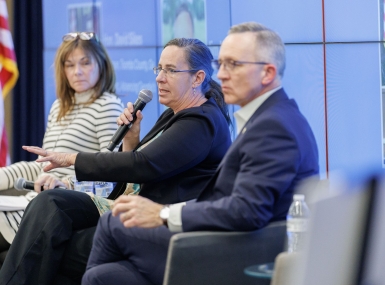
(269, 44)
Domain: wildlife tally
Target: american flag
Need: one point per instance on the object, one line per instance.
(8, 76)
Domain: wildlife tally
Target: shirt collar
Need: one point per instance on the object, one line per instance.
(244, 114)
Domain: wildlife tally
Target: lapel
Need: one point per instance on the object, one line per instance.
(278, 96)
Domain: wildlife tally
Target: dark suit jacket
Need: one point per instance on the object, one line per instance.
(172, 168)
(255, 181)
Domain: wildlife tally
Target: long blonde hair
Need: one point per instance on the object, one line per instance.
(94, 49)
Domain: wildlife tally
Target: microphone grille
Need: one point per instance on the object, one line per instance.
(19, 183)
(145, 95)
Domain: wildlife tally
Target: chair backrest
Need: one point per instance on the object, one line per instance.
(339, 234)
(220, 257)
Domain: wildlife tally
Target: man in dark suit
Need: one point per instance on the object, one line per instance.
(254, 184)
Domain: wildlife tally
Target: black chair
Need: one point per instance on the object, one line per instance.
(220, 257)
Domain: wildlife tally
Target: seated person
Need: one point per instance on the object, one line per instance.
(86, 106)
(253, 185)
(172, 164)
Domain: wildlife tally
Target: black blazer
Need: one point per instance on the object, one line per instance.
(172, 168)
(255, 182)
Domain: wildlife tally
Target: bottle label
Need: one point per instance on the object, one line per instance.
(84, 186)
(296, 225)
(103, 189)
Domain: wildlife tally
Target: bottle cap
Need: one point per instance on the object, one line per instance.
(300, 197)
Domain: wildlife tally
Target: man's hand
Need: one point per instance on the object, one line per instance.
(137, 211)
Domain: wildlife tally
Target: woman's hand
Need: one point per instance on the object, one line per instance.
(56, 159)
(137, 211)
(131, 140)
(48, 182)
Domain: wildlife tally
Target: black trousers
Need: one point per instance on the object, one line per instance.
(53, 221)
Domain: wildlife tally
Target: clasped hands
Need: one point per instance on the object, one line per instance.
(137, 211)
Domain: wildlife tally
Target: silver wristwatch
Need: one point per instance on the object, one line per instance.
(165, 213)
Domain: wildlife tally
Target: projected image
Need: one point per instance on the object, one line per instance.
(382, 47)
(84, 17)
(183, 18)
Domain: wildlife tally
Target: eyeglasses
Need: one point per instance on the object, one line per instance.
(170, 71)
(85, 36)
(230, 65)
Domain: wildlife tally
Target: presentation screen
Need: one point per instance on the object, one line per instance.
(334, 70)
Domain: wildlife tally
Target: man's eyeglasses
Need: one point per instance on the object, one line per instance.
(229, 65)
(85, 36)
(170, 71)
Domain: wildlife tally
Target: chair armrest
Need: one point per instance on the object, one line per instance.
(220, 257)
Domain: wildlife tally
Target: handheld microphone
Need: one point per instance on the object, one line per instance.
(22, 184)
(144, 97)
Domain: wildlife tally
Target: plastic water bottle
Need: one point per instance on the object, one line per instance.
(84, 186)
(297, 220)
(103, 189)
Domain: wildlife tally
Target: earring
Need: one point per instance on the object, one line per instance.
(193, 91)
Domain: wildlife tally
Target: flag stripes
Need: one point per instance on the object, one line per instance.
(8, 75)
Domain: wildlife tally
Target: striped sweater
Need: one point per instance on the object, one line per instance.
(87, 128)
